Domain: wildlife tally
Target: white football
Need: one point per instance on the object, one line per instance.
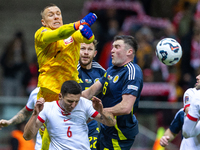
(168, 51)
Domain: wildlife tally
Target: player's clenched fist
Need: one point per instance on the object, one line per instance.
(4, 123)
(86, 32)
(87, 20)
(39, 106)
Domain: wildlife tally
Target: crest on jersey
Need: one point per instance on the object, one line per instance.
(97, 79)
(88, 80)
(186, 99)
(68, 40)
(116, 78)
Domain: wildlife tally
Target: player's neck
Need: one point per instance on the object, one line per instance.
(61, 105)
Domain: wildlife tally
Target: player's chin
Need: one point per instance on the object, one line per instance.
(85, 62)
(56, 26)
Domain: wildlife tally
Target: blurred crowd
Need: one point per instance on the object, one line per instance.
(148, 27)
(137, 18)
(19, 75)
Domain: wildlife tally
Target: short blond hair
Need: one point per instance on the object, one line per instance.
(50, 5)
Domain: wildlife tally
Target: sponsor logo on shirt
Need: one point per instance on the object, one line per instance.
(116, 78)
(110, 77)
(68, 40)
(82, 20)
(65, 120)
(88, 80)
(186, 99)
(133, 87)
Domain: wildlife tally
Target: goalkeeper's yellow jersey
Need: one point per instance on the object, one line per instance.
(58, 52)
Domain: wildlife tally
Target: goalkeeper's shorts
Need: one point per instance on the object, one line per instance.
(47, 94)
(45, 138)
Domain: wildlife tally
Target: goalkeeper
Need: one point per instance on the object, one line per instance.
(58, 50)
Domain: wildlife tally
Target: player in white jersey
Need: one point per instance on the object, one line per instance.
(191, 102)
(23, 114)
(66, 119)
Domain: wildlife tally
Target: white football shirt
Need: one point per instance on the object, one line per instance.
(68, 130)
(189, 95)
(192, 143)
(30, 106)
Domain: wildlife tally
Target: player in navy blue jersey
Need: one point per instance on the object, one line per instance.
(121, 86)
(174, 128)
(89, 72)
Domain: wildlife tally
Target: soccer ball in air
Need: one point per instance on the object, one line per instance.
(168, 51)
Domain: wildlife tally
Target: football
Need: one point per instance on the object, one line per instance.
(168, 51)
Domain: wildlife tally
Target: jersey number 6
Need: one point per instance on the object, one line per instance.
(105, 88)
(69, 133)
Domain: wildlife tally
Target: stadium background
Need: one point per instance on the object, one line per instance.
(155, 110)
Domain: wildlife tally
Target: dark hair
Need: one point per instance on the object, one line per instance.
(70, 87)
(50, 5)
(130, 40)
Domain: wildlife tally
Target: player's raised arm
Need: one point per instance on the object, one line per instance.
(22, 115)
(103, 116)
(34, 124)
(66, 30)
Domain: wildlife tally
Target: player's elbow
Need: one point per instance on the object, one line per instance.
(186, 135)
(126, 111)
(27, 137)
(187, 132)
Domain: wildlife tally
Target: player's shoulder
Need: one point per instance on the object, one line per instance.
(131, 66)
(133, 70)
(97, 65)
(35, 91)
(41, 30)
(51, 104)
(191, 91)
(85, 101)
(180, 111)
(33, 97)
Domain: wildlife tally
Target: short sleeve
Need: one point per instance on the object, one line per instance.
(32, 99)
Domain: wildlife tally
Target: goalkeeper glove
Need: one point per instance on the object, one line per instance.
(88, 20)
(86, 31)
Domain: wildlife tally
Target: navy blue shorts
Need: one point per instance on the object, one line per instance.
(106, 143)
(93, 138)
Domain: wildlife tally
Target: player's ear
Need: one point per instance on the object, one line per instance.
(130, 52)
(43, 22)
(60, 96)
(95, 53)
